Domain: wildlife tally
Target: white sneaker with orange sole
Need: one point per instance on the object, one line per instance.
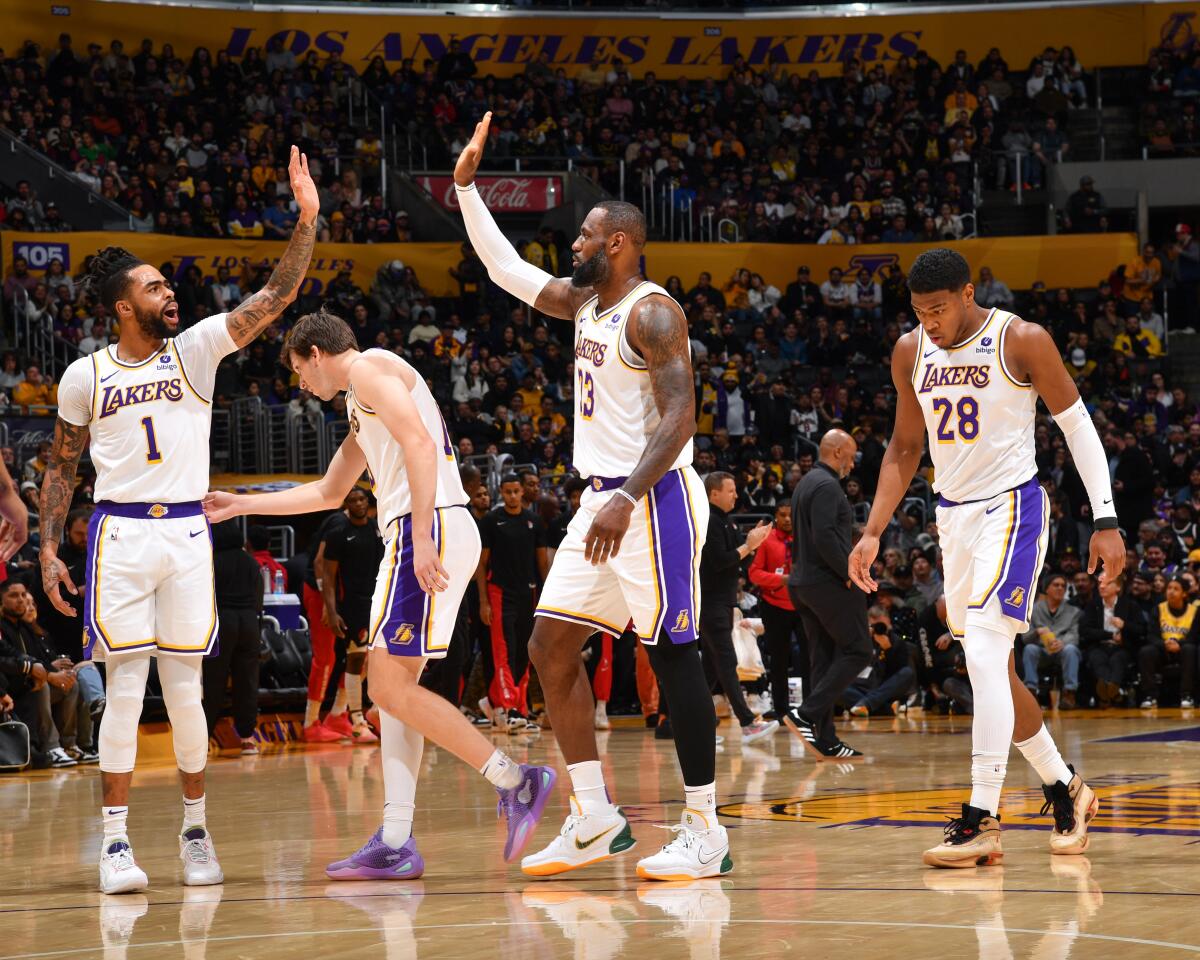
(585, 838)
(700, 849)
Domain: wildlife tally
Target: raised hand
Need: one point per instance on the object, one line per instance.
(472, 154)
(303, 188)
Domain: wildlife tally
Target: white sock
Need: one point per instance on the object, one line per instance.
(501, 770)
(312, 712)
(339, 702)
(1042, 753)
(114, 823)
(193, 812)
(402, 748)
(354, 696)
(703, 800)
(587, 783)
(987, 651)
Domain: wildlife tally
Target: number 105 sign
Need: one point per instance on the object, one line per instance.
(39, 255)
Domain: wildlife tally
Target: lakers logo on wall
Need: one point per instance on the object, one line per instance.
(1130, 803)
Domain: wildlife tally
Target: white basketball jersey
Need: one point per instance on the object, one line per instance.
(149, 421)
(614, 405)
(385, 457)
(978, 415)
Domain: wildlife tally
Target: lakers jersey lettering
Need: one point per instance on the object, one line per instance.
(615, 413)
(1175, 626)
(114, 398)
(978, 415)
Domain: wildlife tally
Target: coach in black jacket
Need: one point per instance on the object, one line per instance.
(834, 612)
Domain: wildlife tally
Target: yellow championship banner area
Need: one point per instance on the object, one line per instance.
(1073, 260)
(696, 45)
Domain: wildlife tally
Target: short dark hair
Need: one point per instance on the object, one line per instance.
(107, 277)
(7, 585)
(324, 330)
(939, 269)
(509, 478)
(716, 480)
(259, 537)
(76, 515)
(625, 217)
(782, 505)
(573, 485)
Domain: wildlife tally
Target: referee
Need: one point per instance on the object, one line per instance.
(833, 611)
(512, 563)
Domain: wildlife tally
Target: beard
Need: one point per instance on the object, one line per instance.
(592, 271)
(152, 323)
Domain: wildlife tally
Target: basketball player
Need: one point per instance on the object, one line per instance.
(971, 378)
(145, 403)
(634, 546)
(431, 551)
(14, 517)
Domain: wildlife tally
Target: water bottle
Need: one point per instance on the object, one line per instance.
(278, 581)
(266, 575)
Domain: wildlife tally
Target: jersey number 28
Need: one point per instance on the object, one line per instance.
(967, 425)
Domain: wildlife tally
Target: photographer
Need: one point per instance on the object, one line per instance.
(941, 664)
(891, 675)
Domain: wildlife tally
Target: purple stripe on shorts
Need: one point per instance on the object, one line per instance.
(1017, 587)
(90, 630)
(675, 541)
(404, 626)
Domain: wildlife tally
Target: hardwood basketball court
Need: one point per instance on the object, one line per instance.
(827, 857)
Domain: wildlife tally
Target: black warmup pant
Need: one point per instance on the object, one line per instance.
(716, 634)
(1109, 663)
(237, 656)
(1153, 656)
(835, 622)
(778, 626)
(444, 677)
(682, 684)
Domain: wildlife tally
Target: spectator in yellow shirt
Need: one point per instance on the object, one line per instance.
(728, 144)
(1137, 341)
(542, 252)
(1142, 274)
(37, 392)
(558, 423)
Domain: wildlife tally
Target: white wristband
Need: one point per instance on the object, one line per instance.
(626, 496)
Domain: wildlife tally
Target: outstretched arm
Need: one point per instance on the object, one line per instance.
(553, 296)
(658, 331)
(14, 518)
(58, 489)
(900, 463)
(257, 312)
(327, 493)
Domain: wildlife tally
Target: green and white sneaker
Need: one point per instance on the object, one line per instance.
(585, 838)
(699, 850)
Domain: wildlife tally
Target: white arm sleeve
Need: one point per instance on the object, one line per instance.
(504, 265)
(1090, 459)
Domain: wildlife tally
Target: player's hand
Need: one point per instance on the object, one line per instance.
(431, 575)
(55, 572)
(861, 558)
(219, 505)
(1106, 547)
(330, 618)
(485, 611)
(472, 154)
(13, 534)
(756, 536)
(303, 188)
(604, 536)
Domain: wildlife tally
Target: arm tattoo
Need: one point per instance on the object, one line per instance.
(260, 310)
(662, 339)
(58, 488)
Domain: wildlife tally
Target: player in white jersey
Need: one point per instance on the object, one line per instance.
(431, 551)
(145, 403)
(633, 548)
(970, 378)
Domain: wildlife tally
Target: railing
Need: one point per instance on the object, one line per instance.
(246, 435)
(283, 542)
(1177, 151)
(306, 447)
(52, 354)
(220, 440)
(1021, 163)
(336, 432)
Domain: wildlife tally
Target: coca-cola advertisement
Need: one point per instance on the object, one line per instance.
(515, 194)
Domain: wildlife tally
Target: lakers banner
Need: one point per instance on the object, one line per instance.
(176, 255)
(1066, 261)
(696, 45)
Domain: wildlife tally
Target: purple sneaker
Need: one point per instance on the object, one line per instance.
(377, 861)
(522, 806)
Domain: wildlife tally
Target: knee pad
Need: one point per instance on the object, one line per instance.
(118, 730)
(183, 694)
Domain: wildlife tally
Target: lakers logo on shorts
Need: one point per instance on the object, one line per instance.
(158, 511)
(597, 483)
(1016, 598)
(404, 634)
(681, 622)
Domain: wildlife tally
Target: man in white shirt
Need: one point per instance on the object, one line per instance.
(990, 292)
(96, 340)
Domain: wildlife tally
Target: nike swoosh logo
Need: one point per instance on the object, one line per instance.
(993, 509)
(700, 857)
(110, 376)
(933, 351)
(196, 534)
(584, 844)
(1107, 502)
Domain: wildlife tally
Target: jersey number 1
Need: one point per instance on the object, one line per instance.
(152, 454)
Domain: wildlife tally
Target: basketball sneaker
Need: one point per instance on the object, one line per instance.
(340, 724)
(601, 718)
(759, 730)
(317, 732)
(522, 806)
(361, 732)
(248, 747)
(841, 751)
(199, 856)
(375, 860)
(584, 839)
(972, 840)
(1074, 805)
(700, 849)
(119, 872)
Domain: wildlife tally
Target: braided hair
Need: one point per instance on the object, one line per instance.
(108, 275)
